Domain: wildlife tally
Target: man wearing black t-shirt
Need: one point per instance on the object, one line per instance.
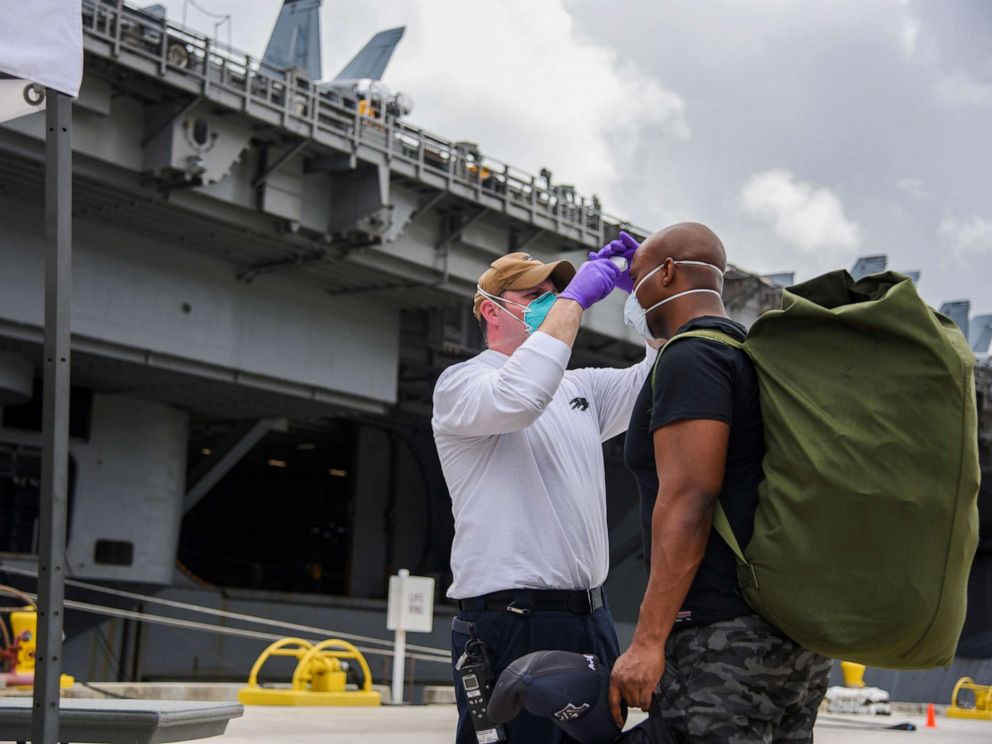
(696, 436)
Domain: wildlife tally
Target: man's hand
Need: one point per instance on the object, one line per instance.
(624, 246)
(635, 677)
(592, 282)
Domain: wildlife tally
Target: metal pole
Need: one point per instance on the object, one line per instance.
(399, 662)
(399, 649)
(55, 416)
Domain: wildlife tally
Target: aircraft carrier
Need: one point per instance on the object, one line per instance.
(270, 273)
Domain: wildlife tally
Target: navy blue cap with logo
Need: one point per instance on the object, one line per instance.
(573, 691)
(563, 686)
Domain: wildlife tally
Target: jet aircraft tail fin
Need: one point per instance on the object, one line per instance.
(295, 40)
(371, 61)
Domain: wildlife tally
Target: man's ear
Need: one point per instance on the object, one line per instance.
(667, 273)
(489, 312)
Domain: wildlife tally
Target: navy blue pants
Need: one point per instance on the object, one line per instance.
(508, 636)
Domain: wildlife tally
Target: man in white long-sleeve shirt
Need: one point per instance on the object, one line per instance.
(520, 442)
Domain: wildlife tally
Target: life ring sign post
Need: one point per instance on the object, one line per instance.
(410, 609)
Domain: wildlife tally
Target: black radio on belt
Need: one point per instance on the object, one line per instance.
(476, 675)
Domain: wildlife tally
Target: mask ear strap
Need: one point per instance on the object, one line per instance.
(680, 294)
(707, 264)
(653, 271)
(498, 302)
(485, 294)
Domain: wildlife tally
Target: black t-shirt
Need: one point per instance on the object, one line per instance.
(699, 378)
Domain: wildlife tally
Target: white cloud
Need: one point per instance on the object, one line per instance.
(521, 84)
(909, 33)
(966, 239)
(914, 188)
(960, 90)
(806, 217)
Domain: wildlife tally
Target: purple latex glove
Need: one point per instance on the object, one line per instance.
(592, 282)
(624, 246)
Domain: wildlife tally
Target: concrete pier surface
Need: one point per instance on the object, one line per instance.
(435, 724)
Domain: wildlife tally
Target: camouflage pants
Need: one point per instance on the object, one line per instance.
(739, 682)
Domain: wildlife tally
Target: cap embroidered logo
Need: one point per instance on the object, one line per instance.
(571, 712)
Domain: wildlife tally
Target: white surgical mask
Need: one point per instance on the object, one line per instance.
(636, 317)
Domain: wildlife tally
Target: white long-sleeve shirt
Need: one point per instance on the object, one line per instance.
(520, 442)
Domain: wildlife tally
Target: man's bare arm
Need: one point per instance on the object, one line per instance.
(691, 458)
(563, 320)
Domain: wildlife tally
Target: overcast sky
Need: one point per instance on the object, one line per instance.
(804, 133)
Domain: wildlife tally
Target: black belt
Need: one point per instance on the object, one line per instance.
(522, 601)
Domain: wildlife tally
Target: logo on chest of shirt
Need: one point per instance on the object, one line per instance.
(579, 404)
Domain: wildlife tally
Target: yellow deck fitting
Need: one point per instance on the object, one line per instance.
(854, 674)
(24, 626)
(319, 678)
(980, 709)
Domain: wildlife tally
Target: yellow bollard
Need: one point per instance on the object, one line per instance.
(318, 679)
(854, 674)
(980, 710)
(24, 624)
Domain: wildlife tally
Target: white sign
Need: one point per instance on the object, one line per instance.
(411, 603)
(42, 41)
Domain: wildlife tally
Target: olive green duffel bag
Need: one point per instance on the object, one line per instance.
(867, 521)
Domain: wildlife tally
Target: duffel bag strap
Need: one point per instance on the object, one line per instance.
(721, 524)
(711, 334)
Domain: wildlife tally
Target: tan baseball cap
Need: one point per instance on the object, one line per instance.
(521, 271)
